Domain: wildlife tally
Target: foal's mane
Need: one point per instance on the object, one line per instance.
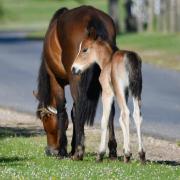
(98, 29)
(98, 26)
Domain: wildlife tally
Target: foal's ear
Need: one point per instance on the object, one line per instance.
(92, 33)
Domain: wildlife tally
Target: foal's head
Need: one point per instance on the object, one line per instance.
(92, 50)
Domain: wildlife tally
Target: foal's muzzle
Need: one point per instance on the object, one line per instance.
(76, 71)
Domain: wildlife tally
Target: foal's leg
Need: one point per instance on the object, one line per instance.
(107, 99)
(124, 120)
(138, 120)
(112, 144)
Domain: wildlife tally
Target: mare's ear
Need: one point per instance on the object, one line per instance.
(92, 33)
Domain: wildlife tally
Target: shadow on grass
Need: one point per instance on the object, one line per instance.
(12, 161)
(19, 132)
(120, 158)
(166, 162)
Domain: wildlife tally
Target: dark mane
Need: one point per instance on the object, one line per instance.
(101, 31)
(100, 28)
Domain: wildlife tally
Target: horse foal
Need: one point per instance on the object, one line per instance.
(120, 75)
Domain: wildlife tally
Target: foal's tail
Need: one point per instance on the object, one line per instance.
(135, 74)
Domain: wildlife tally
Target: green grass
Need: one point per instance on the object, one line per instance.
(35, 14)
(155, 48)
(23, 158)
(178, 143)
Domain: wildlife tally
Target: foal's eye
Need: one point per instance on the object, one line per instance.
(85, 50)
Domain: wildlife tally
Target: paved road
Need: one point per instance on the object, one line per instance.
(19, 62)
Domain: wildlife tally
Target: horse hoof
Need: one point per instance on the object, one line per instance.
(113, 156)
(49, 151)
(99, 157)
(78, 155)
(63, 153)
(142, 156)
(127, 157)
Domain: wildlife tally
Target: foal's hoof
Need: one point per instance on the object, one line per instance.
(78, 155)
(99, 157)
(113, 155)
(127, 157)
(142, 156)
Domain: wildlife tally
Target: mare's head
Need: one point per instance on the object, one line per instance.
(93, 49)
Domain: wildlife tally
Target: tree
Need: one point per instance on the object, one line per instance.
(150, 15)
(130, 19)
(173, 16)
(1, 10)
(114, 13)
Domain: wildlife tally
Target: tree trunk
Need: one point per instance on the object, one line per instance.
(114, 13)
(162, 17)
(173, 16)
(178, 16)
(150, 15)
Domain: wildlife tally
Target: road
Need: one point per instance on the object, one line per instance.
(19, 63)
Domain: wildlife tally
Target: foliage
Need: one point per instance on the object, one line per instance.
(1, 10)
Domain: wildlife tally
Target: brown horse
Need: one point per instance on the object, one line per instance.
(120, 74)
(65, 32)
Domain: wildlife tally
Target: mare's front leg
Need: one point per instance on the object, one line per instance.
(73, 141)
(55, 125)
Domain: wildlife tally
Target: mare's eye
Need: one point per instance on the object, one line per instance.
(85, 50)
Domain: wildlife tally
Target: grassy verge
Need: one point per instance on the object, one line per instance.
(159, 49)
(23, 158)
(35, 14)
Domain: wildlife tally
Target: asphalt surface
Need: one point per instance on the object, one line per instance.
(19, 63)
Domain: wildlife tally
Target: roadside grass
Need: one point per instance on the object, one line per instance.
(178, 143)
(159, 49)
(23, 158)
(36, 14)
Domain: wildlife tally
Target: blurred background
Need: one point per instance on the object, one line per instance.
(149, 27)
(154, 20)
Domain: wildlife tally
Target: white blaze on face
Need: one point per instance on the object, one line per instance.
(75, 65)
(80, 45)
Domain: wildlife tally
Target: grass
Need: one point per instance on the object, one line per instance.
(178, 143)
(155, 48)
(23, 158)
(36, 14)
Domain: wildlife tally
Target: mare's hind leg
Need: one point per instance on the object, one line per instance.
(112, 144)
(138, 120)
